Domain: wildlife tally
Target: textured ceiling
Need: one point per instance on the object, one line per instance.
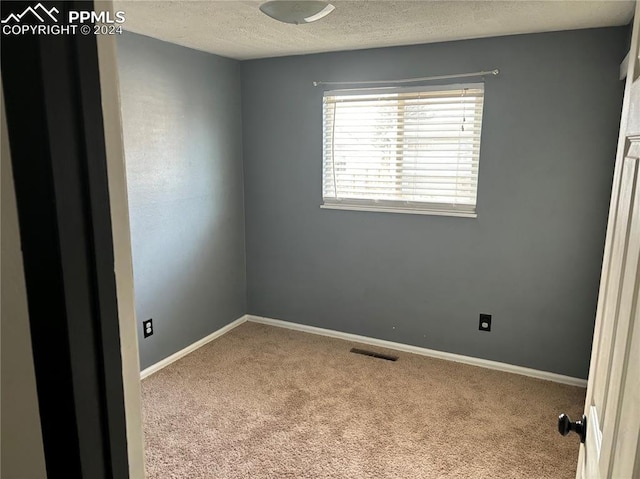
(238, 29)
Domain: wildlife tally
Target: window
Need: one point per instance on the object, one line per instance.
(409, 150)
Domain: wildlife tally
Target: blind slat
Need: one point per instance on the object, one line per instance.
(383, 148)
(399, 165)
(453, 192)
(417, 182)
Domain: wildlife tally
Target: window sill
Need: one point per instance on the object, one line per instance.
(410, 211)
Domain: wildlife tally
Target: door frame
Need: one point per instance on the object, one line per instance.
(66, 150)
(121, 231)
(586, 461)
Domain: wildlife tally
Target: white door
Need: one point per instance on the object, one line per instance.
(611, 446)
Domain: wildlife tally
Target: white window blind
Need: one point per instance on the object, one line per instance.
(406, 150)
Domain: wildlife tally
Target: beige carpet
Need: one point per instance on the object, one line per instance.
(265, 402)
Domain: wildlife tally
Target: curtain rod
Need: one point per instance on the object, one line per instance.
(408, 80)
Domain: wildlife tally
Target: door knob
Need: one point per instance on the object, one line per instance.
(565, 426)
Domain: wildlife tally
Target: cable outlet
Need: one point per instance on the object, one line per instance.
(147, 328)
(485, 322)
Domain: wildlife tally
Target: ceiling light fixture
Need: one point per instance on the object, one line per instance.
(297, 12)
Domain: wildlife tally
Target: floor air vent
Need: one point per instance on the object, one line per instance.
(373, 354)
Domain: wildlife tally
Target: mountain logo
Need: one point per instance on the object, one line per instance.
(39, 12)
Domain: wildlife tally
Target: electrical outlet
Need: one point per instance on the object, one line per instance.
(485, 322)
(147, 328)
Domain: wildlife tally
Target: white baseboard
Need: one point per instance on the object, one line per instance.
(483, 363)
(192, 347)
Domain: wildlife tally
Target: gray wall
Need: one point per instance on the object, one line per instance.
(182, 132)
(21, 448)
(532, 257)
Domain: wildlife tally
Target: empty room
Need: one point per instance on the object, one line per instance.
(372, 208)
(368, 239)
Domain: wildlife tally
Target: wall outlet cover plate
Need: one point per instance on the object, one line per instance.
(147, 328)
(485, 322)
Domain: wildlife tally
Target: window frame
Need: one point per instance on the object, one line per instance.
(394, 206)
